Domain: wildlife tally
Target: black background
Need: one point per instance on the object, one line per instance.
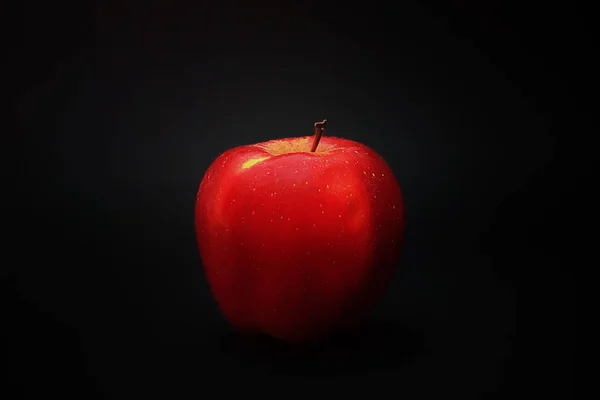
(122, 108)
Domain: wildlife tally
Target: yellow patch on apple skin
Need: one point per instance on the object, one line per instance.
(298, 145)
(253, 161)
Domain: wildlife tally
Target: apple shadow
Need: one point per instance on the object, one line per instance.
(377, 346)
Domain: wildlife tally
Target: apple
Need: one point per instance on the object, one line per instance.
(299, 237)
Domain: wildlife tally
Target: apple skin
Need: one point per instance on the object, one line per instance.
(299, 245)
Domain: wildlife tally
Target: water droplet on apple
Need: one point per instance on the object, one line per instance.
(327, 186)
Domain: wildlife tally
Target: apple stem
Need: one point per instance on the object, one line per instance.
(319, 129)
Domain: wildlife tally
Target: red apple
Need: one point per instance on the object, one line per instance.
(299, 237)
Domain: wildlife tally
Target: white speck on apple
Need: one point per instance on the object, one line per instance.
(306, 183)
(293, 184)
(373, 173)
(340, 215)
(327, 186)
(393, 207)
(253, 212)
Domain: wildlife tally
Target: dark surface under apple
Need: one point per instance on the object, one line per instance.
(102, 280)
